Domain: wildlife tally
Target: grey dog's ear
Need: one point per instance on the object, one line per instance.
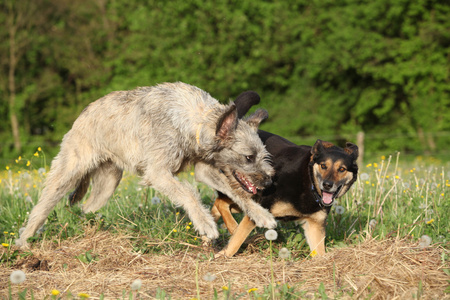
(245, 101)
(256, 118)
(226, 126)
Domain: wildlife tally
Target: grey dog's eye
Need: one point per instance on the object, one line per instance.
(250, 158)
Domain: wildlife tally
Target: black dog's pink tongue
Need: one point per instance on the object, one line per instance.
(327, 198)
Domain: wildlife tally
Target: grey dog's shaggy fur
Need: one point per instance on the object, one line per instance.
(156, 132)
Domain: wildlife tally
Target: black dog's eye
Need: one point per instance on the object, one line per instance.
(323, 166)
(342, 169)
(250, 158)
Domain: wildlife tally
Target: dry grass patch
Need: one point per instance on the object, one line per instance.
(373, 269)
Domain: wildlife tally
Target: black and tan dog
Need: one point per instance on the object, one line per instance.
(307, 181)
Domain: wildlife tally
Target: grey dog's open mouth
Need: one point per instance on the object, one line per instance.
(246, 184)
(328, 198)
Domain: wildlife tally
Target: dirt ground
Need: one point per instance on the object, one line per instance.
(389, 269)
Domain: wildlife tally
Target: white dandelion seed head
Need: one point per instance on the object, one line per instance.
(406, 185)
(29, 199)
(339, 209)
(140, 205)
(373, 223)
(271, 235)
(425, 241)
(155, 200)
(41, 171)
(364, 176)
(17, 277)
(136, 285)
(284, 253)
(209, 277)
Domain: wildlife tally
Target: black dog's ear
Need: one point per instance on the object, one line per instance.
(320, 146)
(226, 126)
(352, 149)
(255, 119)
(245, 101)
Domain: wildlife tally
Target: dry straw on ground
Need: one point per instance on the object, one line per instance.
(389, 269)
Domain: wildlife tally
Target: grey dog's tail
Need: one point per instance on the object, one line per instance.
(245, 101)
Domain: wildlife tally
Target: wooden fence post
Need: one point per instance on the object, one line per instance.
(360, 144)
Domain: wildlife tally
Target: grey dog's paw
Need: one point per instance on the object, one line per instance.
(263, 218)
(210, 232)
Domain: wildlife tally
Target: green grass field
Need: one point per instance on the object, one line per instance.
(390, 199)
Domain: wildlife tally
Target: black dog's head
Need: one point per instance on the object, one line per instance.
(333, 170)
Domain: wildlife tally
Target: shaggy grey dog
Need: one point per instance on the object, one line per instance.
(157, 132)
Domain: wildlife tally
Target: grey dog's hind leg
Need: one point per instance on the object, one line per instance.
(65, 173)
(105, 180)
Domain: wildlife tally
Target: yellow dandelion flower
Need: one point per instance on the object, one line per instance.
(17, 161)
(5, 232)
(34, 186)
(39, 149)
(26, 194)
(375, 165)
(55, 292)
(383, 157)
(28, 163)
(387, 176)
(367, 182)
(175, 230)
(430, 221)
(397, 177)
(5, 245)
(369, 165)
(36, 154)
(7, 167)
(177, 213)
(192, 173)
(313, 253)
(190, 223)
(188, 227)
(373, 184)
(225, 288)
(442, 195)
(11, 233)
(252, 290)
(83, 295)
(411, 170)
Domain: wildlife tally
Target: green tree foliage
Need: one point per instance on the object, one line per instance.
(325, 69)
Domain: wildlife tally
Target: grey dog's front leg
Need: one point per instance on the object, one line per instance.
(217, 180)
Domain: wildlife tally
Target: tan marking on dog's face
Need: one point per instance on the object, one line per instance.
(333, 171)
(284, 209)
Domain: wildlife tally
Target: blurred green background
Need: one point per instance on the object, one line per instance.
(324, 69)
